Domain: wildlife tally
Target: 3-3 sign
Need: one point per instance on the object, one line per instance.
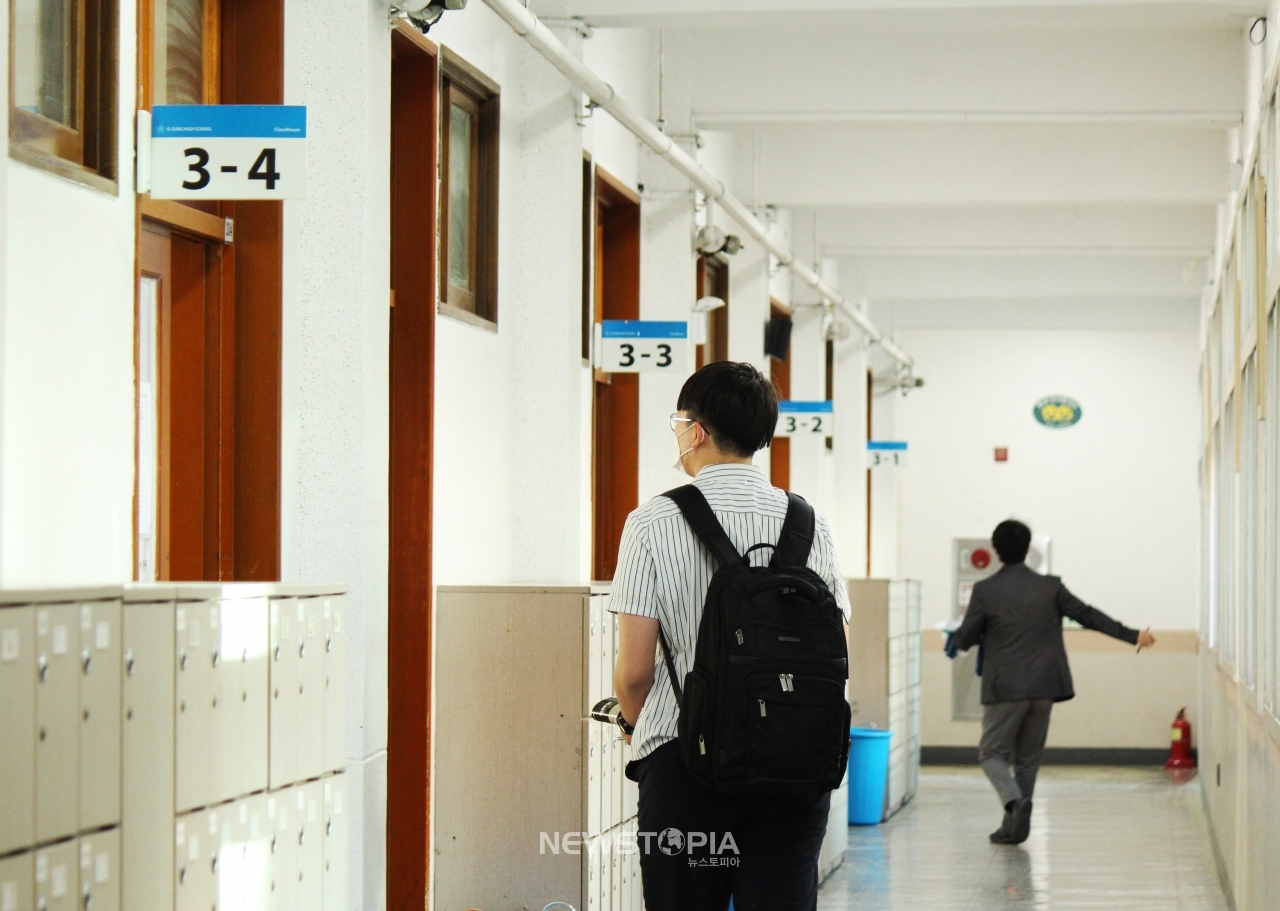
(638, 346)
(228, 152)
(804, 419)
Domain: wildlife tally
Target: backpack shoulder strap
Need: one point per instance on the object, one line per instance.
(697, 512)
(796, 539)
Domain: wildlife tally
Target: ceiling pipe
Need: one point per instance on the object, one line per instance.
(602, 95)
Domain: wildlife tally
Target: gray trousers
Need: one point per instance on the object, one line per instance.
(1013, 735)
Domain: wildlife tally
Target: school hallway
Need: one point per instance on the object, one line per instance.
(1102, 839)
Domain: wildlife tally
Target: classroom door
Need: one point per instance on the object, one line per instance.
(616, 411)
(412, 389)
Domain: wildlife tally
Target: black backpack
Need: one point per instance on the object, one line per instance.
(763, 710)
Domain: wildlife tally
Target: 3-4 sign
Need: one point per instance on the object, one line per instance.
(804, 419)
(641, 346)
(213, 151)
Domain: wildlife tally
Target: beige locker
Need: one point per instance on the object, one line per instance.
(17, 882)
(18, 722)
(57, 877)
(595, 731)
(614, 859)
(283, 843)
(594, 888)
(147, 802)
(195, 857)
(241, 715)
(198, 756)
(336, 835)
(309, 809)
(100, 693)
(100, 871)
(57, 721)
(614, 736)
(310, 705)
(283, 723)
(243, 871)
(335, 684)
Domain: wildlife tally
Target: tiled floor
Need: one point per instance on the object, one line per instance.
(1101, 839)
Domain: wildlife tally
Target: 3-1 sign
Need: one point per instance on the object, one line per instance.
(227, 151)
(886, 454)
(804, 419)
(641, 346)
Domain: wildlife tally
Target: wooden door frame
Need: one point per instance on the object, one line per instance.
(615, 412)
(414, 213)
(780, 374)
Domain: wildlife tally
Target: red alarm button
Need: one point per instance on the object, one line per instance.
(981, 558)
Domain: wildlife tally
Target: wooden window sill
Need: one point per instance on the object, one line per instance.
(66, 170)
(466, 316)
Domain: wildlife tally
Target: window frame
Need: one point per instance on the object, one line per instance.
(86, 154)
(462, 82)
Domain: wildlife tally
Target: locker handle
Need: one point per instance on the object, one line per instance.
(182, 874)
(182, 660)
(43, 663)
(128, 662)
(302, 649)
(215, 657)
(86, 659)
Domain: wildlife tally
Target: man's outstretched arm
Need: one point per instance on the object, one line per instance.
(1092, 618)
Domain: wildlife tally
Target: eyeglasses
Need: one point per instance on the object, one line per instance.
(675, 422)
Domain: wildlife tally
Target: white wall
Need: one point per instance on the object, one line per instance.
(68, 383)
(1117, 492)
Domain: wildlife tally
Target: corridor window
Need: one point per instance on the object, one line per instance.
(62, 88)
(184, 51)
(468, 193)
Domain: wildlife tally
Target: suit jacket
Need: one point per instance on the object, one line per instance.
(1017, 613)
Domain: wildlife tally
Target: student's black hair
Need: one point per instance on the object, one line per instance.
(1012, 540)
(735, 403)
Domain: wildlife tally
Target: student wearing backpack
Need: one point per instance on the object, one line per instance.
(741, 728)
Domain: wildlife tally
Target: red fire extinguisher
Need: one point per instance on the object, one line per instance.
(1180, 744)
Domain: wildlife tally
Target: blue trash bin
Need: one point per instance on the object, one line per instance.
(868, 773)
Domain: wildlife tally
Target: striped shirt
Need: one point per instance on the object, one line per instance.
(664, 573)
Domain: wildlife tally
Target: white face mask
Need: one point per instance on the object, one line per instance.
(679, 463)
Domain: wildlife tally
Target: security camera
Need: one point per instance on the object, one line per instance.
(712, 240)
(426, 13)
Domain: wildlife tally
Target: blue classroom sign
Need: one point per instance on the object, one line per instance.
(641, 346)
(886, 453)
(804, 419)
(224, 151)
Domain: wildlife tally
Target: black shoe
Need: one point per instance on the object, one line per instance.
(1004, 834)
(1021, 820)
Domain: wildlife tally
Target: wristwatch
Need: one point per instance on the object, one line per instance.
(627, 729)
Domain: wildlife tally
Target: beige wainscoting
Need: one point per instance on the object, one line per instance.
(1123, 700)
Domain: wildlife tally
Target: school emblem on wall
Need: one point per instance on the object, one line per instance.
(1057, 411)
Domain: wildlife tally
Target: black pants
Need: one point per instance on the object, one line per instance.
(765, 853)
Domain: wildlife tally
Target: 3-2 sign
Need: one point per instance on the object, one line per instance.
(636, 346)
(804, 419)
(228, 152)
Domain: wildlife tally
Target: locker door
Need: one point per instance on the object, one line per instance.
(100, 666)
(57, 877)
(310, 614)
(243, 670)
(243, 868)
(196, 767)
(335, 685)
(281, 822)
(595, 731)
(309, 810)
(148, 755)
(335, 843)
(283, 724)
(591, 859)
(57, 721)
(224, 716)
(195, 847)
(607, 783)
(616, 742)
(17, 878)
(100, 871)
(18, 721)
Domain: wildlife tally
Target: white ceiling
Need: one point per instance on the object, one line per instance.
(953, 152)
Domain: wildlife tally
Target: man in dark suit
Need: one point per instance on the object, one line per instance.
(1017, 616)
